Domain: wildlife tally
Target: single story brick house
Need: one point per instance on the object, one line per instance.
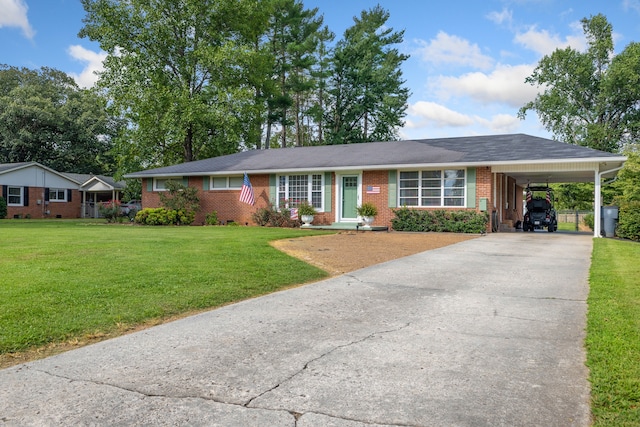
(32, 190)
(481, 173)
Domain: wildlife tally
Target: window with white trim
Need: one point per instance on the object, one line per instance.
(432, 188)
(226, 182)
(160, 184)
(294, 189)
(14, 196)
(57, 195)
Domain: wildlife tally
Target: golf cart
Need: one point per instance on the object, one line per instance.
(540, 213)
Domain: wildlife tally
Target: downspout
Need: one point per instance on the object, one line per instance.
(597, 217)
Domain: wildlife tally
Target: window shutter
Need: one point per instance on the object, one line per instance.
(273, 188)
(26, 196)
(471, 188)
(393, 189)
(4, 192)
(185, 181)
(46, 194)
(327, 191)
(149, 184)
(206, 182)
(69, 192)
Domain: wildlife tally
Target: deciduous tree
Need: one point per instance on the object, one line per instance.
(45, 117)
(590, 98)
(176, 70)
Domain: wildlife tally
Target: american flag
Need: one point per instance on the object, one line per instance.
(246, 194)
(548, 196)
(294, 213)
(529, 195)
(373, 190)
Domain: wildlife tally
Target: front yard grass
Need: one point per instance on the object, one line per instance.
(613, 333)
(64, 280)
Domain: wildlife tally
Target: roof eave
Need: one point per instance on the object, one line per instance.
(616, 159)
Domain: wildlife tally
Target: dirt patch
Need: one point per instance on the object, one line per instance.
(348, 251)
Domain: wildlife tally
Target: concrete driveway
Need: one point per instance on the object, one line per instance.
(487, 332)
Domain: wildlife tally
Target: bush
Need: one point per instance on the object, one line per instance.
(181, 199)
(3, 208)
(439, 220)
(164, 216)
(271, 217)
(211, 218)
(629, 221)
(111, 211)
(588, 220)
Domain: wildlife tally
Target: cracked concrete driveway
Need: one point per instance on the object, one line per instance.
(487, 332)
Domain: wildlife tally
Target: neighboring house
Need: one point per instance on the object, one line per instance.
(32, 190)
(481, 173)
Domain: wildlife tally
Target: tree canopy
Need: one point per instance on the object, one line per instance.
(590, 98)
(367, 87)
(45, 117)
(199, 79)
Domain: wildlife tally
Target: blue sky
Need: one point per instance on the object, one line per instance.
(468, 58)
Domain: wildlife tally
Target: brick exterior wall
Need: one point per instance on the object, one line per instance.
(228, 207)
(34, 210)
(484, 189)
(381, 200)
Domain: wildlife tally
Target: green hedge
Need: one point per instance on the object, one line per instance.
(164, 216)
(629, 221)
(440, 220)
(3, 207)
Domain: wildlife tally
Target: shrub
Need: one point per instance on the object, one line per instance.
(180, 198)
(164, 216)
(272, 217)
(111, 210)
(629, 221)
(3, 208)
(588, 220)
(439, 220)
(211, 218)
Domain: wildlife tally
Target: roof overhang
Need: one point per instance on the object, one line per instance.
(562, 170)
(568, 170)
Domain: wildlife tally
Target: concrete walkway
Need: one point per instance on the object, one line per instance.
(487, 332)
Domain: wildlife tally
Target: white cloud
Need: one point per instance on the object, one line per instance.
(430, 113)
(544, 43)
(428, 119)
(631, 4)
(448, 49)
(14, 14)
(505, 84)
(501, 123)
(504, 17)
(88, 76)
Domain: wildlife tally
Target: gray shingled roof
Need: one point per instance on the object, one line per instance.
(472, 150)
(82, 178)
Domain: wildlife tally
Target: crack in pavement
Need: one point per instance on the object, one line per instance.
(246, 405)
(339, 347)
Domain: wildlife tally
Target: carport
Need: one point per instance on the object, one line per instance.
(599, 170)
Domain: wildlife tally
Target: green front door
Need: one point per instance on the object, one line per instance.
(349, 197)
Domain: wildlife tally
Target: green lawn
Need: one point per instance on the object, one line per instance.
(65, 279)
(613, 333)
